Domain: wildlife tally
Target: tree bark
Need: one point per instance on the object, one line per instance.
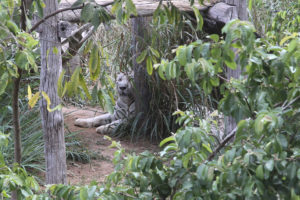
(15, 97)
(52, 122)
(241, 6)
(141, 88)
(16, 119)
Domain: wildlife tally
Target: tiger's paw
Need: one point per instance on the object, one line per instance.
(106, 130)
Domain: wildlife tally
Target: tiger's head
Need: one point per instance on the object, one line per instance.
(124, 86)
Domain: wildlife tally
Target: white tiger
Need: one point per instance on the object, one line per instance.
(124, 109)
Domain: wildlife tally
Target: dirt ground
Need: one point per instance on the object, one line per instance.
(99, 168)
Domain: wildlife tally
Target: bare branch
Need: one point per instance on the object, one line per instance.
(222, 144)
(62, 10)
(53, 14)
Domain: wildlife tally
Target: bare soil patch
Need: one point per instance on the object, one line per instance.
(79, 173)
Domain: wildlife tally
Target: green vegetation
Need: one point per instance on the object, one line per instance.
(263, 158)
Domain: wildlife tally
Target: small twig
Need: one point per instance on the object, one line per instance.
(224, 79)
(175, 94)
(293, 101)
(247, 102)
(222, 144)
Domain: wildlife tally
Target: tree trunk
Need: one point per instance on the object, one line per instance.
(16, 119)
(241, 5)
(52, 122)
(142, 93)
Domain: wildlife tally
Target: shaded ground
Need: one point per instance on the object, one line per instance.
(101, 166)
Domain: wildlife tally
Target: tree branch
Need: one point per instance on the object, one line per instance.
(53, 14)
(222, 144)
(62, 10)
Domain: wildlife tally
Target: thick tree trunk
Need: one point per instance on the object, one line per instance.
(142, 93)
(241, 6)
(53, 123)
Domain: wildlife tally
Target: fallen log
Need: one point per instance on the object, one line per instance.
(144, 8)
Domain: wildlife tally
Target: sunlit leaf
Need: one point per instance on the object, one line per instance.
(149, 65)
(141, 57)
(46, 97)
(32, 101)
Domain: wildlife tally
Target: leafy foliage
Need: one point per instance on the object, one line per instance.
(261, 163)
(263, 160)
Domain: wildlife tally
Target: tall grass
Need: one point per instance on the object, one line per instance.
(33, 143)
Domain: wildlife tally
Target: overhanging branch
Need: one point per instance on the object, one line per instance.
(60, 11)
(53, 14)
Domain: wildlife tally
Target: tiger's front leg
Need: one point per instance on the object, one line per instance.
(108, 129)
(94, 121)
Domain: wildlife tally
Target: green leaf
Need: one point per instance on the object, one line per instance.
(294, 35)
(21, 59)
(172, 69)
(298, 173)
(142, 56)
(3, 139)
(155, 52)
(215, 81)
(77, 3)
(281, 139)
(260, 172)
(199, 18)
(231, 65)
(55, 50)
(149, 65)
(74, 82)
(130, 7)
(93, 62)
(207, 147)
(293, 45)
(269, 165)
(84, 87)
(166, 140)
(60, 87)
(181, 55)
(83, 194)
(214, 37)
(87, 12)
(201, 172)
(3, 82)
(11, 5)
(31, 61)
(261, 121)
(190, 71)
(40, 7)
(12, 26)
(292, 170)
(161, 69)
(250, 5)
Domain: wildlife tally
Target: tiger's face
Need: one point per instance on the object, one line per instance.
(124, 85)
